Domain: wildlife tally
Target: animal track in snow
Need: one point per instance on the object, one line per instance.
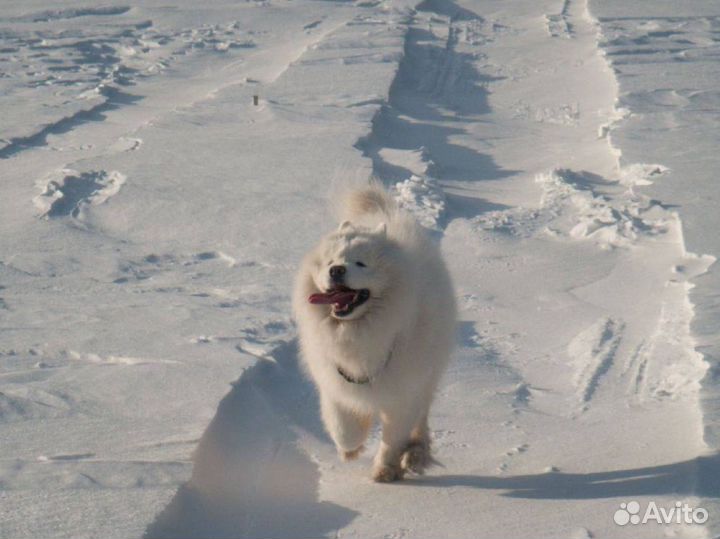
(522, 448)
(510, 454)
(447, 438)
(593, 352)
(558, 25)
(23, 402)
(69, 192)
(155, 264)
(126, 144)
(522, 395)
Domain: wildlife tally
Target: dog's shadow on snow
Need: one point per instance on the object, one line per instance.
(249, 477)
(699, 477)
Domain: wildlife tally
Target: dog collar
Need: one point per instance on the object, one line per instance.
(367, 379)
(352, 380)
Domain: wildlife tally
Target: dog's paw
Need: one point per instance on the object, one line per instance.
(416, 458)
(351, 455)
(386, 473)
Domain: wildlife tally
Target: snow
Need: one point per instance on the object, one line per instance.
(152, 218)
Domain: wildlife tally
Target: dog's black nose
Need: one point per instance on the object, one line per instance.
(337, 273)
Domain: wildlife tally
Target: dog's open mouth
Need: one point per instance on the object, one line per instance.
(343, 299)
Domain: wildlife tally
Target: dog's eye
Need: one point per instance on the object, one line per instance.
(360, 264)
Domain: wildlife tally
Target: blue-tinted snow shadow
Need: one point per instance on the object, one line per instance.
(250, 478)
(114, 100)
(448, 8)
(699, 477)
(435, 98)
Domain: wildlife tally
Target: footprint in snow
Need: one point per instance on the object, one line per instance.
(69, 192)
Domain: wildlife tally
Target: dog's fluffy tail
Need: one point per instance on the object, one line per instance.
(368, 202)
(372, 205)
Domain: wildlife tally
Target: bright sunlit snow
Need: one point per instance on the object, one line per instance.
(152, 217)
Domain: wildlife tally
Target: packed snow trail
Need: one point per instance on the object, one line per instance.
(153, 218)
(606, 355)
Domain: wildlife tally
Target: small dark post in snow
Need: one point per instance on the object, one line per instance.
(256, 100)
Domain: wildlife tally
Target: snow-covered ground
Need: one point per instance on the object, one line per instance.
(152, 217)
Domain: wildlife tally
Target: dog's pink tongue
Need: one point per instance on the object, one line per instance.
(339, 297)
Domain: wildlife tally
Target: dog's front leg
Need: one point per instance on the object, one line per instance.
(347, 428)
(397, 429)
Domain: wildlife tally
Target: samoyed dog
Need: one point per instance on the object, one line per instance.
(375, 308)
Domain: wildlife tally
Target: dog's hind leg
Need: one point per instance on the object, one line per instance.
(347, 428)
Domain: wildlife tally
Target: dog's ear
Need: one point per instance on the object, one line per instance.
(381, 230)
(345, 225)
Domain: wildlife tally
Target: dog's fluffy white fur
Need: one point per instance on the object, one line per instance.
(385, 357)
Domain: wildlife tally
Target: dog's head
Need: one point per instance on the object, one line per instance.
(352, 270)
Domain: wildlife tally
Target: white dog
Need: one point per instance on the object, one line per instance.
(376, 312)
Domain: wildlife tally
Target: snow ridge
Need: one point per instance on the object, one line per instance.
(578, 211)
(421, 196)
